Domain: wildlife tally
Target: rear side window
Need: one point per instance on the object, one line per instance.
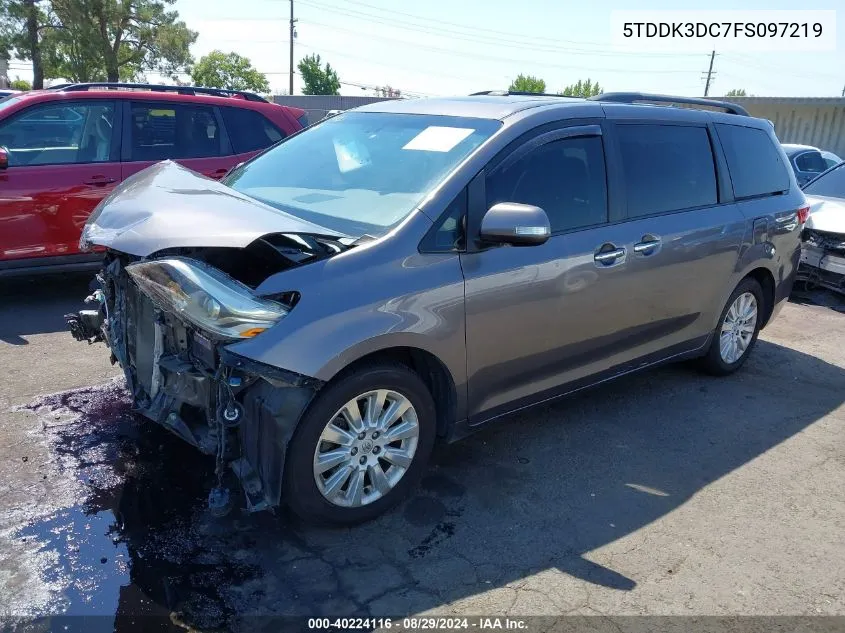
(667, 168)
(249, 131)
(565, 178)
(164, 130)
(811, 162)
(753, 160)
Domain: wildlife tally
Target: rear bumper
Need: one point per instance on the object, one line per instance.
(236, 409)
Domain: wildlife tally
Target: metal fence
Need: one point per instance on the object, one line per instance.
(316, 106)
(817, 121)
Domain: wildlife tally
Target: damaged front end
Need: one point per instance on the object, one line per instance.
(172, 301)
(823, 245)
(182, 376)
(823, 260)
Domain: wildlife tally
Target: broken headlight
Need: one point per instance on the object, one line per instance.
(206, 297)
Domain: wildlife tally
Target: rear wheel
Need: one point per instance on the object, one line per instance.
(361, 447)
(737, 331)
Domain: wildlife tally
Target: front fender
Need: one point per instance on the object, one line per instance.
(416, 301)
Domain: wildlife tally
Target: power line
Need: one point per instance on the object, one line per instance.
(473, 36)
(473, 29)
(453, 53)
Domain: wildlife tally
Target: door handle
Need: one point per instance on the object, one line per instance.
(218, 173)
(99, 181)
(608, 257)
(646, 247)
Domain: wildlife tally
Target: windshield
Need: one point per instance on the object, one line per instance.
(361, 172)
(831, 183)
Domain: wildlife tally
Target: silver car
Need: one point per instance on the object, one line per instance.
(412, 270)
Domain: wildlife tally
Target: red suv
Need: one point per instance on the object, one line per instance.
(65, 148)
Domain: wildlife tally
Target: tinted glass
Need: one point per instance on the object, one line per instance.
(164, 130)
(565, 178)
(450, 232)
(59, 134)
(753, 160)
(361, 172)
(249, 130)
(811, 162)
(830, 184)
(667, 168)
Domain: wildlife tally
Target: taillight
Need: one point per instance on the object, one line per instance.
(803, 214)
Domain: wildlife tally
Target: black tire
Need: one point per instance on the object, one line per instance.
(712, 362)
(301, 492)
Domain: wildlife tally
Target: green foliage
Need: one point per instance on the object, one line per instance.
(96, 40)
(582, 89)
(736, 92)
(20, 84)
(527, 83)
(24, 28)
(230, 71)
(316, 80)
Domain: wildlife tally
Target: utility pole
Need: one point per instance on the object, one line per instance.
(709, 71)
(292, 35)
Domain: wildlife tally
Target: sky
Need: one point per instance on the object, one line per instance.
(443, 47)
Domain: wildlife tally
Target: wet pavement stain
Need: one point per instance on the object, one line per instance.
(440, 533)
(133, 522)
(128, 540)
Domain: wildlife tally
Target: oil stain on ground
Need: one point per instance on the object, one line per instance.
(129, 544)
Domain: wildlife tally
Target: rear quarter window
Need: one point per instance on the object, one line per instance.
(250, 131)
(754, 162)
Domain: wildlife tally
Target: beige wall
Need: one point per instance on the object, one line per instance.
(822, 126)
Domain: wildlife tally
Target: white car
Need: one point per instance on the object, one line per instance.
(823, 239)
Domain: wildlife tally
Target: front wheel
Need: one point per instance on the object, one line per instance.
(361, 447)
(737, 331)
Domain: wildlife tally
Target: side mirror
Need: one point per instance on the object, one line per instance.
(516, 224)
(4, 158)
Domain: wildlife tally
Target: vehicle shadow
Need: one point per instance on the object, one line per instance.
(537, 491)
(37, 305)
(806, 294)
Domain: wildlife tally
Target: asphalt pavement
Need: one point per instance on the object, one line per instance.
(664, 493)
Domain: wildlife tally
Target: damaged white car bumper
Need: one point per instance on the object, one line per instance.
(823, 245)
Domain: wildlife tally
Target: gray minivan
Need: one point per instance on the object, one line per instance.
(414, 269)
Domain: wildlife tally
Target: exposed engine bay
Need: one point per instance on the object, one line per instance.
(179, 371)
(822, 260)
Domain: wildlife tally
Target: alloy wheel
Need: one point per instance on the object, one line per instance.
(366, 448)
(738, 328)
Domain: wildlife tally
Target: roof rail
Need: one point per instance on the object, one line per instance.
(639, 97)
(182, 90)
(521, 93)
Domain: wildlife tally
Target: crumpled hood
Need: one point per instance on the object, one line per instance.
(170, 206)
(826, 214)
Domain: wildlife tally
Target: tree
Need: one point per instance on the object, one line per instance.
(527, 83)
(22, 30)
(20, 84)
(230, 71)
(118, 39)
(317, 80)
(736, 93)
(582, 89)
